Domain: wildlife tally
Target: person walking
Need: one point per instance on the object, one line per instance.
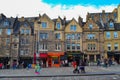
(82, 67)
(37, 69)
(98, 62)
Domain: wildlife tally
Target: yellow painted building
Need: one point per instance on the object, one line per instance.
(92, 40)
(73, 40)
(112, 41)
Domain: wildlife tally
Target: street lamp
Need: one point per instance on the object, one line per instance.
(37, 43)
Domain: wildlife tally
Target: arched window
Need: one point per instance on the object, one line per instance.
(111, 24)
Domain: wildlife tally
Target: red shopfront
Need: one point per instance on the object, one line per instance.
(54, 59)
(43, 59)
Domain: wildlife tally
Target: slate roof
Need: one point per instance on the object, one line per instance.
(18, 24)
(10, 22)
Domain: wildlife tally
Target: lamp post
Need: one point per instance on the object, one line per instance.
(37, 43)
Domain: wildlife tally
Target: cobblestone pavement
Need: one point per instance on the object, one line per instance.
(90, 70)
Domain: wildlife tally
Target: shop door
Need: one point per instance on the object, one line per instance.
(49, 62)
(117, 58)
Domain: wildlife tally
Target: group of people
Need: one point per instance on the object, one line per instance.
(105, 62)
(79, 66)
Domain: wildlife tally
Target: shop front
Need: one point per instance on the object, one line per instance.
(24, 61)
(115, 56)
(43, 59)
(75, 57)
(54, 59)
(5, 61)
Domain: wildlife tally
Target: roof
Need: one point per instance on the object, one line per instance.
(6, 22)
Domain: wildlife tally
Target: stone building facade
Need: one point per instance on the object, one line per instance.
(25, 40)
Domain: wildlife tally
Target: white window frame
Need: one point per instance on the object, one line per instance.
(116, 45)
(108, 36)
(115, 34)
(58, 25)
(44, 24)
(58, 47)
(111, 24)
(8, 32)
(73, 28)
(109, 45)
(43, 47)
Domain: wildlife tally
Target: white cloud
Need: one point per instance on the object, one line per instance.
(34, 7)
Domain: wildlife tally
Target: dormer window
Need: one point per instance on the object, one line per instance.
(90, 26)
(6, 23)
(58, 25)
(25, 25)
(111, 24)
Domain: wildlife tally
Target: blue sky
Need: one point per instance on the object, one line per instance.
(54, 8)
(82, 2)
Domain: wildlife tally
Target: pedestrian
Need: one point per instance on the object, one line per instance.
(74, 64)
(66, 63)
(98, 62)
(37, 69)
(1, 65)
(76, 70)
(8, 65)
(105, 63)
(110, 61)
(82, 67)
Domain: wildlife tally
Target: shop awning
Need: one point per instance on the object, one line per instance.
(113, 53)
(55, 53)
(43, 55)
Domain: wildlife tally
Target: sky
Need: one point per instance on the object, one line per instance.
(55, 8)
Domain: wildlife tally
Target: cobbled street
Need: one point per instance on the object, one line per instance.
(62, 73)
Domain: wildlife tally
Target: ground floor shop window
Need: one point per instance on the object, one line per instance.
(91, 58)
(98, 56)
(55, 60)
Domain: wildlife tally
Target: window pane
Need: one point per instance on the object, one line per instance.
(22, 31)
(78, 46)
(27, 31)
(7, 41)
(58, 25)
(116, 46)
(90, 26)
(43, 36)
(6, 23)
(73, 28)
(78, 36)
(8, 31)
(111, 25)
(73, 45)
(68, 46)
(73, 36)
(107, 34)
(68, 36)
(44, 25)
(109, 46)
(115, 35)
(57, 35)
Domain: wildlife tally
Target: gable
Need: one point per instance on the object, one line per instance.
(73, 22)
